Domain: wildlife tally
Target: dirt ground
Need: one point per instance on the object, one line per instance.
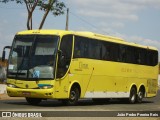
(6, 97)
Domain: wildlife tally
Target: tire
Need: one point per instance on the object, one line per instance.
(33, 101)
(133, 95)
(140, 96)
(73, 97)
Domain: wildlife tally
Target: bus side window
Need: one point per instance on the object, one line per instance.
(152, 57)
(122, 53)
(105, 51)
(66, 53)
(77, 49)
(81, 45)
(94, 49)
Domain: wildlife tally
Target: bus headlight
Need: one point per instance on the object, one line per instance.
(11, 85)
(45, 86)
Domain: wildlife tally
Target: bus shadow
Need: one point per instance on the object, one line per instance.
(113, 101)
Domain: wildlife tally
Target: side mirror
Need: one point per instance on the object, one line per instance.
(59, 54)
(4, 52)
(61, 58)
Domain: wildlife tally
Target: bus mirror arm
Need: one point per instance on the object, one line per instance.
(60, 55)
(61, 58)
(4, 52)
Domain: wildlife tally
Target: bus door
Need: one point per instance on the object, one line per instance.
(63, 64)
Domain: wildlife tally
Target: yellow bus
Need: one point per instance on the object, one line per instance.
(68, 65)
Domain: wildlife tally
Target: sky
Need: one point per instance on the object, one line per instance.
(133, 20)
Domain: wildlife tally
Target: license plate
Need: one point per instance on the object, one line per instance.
(26, 93)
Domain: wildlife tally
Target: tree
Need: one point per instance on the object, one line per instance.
(54, 6)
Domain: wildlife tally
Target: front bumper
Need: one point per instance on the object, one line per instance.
(32, 93)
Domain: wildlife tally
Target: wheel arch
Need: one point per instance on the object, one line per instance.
(75, 84)
(133, 85)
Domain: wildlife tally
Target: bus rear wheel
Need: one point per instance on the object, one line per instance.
(33, 101)
(133, 95)
(140, 96)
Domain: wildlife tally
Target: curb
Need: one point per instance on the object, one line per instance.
(3, 89)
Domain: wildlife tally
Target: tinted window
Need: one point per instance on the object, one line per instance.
(122, 53)
(109, 51)
(152, 57)
(130, 56)
(87, 48)
(65, 54)
(94, 49)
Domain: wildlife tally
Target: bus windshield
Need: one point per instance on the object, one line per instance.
(33, 57)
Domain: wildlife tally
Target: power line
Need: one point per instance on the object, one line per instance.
(82, 19)
(85, 21)
(77, 16)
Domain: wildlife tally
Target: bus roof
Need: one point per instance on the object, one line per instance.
(85, 34)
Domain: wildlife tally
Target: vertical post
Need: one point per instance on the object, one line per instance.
(67, 17)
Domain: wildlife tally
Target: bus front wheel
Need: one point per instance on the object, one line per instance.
(133, 94)
(73, 97)
(33, 101)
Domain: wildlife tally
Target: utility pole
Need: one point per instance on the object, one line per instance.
(67, 18)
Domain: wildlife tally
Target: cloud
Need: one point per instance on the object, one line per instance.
(102, 15)
(117, 9)
(110, 15)
(154, 3)
(138, 40)
(112, 24)
(135, 39)
(149, 42)
(142, 41)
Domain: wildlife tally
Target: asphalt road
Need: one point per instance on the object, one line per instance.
(149, 104)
